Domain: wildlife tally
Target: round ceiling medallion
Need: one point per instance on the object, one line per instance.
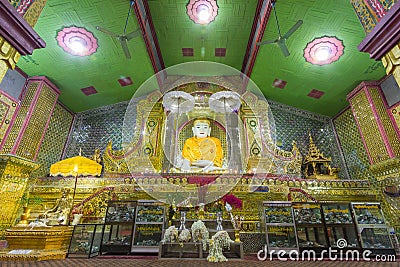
(202, 11)
(77, 41)
(323, 50)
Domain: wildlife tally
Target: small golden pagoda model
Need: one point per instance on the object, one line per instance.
(317, 166)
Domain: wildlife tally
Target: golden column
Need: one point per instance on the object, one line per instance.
(17, 38)
(382, 43)
(14, 173)
(391, 61)
(380, 138)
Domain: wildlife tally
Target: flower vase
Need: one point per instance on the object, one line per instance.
(219, 221)
(201, 212)
(24, 216)
(237, 235)
(183, 221)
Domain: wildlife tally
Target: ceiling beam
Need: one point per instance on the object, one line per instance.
(143, 16)
(15, 30)
(257, 32)
(384, 36)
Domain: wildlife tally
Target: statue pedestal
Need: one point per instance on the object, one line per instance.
(44, 242)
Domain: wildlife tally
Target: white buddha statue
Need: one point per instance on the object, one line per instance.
(202, 152)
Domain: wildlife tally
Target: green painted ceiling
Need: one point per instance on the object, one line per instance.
(231, 30)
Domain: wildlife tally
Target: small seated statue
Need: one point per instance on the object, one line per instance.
(96, 156)
(202, 152)
(60, 212)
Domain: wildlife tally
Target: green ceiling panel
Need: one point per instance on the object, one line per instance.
(101, 69)
(231, 30)
(336, 18)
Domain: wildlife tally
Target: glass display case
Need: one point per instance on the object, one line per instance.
(280, 228)
(85, 241)
(149, 226)
(118, 227)
(375, 238)
(281, 237)
(372, 229)
(368, 213)
(307, 213)
(311, 233)
(340, 225)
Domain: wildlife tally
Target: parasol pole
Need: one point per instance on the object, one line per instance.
(176, 125)
(76, 182)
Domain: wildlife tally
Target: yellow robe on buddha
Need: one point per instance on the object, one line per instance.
(208, 148)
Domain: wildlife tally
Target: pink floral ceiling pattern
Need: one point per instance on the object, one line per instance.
(331, 46)
(68, 38)
(195, 7)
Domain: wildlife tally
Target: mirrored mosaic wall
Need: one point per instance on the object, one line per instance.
(352, 146)
(295, 125)
(95, 128)
(54, 140)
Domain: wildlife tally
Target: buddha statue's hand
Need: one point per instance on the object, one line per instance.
(211, 168)
(185, 165)
(203, 163)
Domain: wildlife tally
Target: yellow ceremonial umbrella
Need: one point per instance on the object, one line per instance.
(76, 166)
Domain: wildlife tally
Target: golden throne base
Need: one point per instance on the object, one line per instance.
(45, 242)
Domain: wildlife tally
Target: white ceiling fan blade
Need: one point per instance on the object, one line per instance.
(124, 44)
(284, 48)
(106, 31)
(267, 42)
(131, 35)
(293, 29)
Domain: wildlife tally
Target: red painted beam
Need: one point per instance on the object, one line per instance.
(261, 17)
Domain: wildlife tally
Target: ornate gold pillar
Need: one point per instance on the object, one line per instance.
(16, 37)
(382, 43)
(380, 138)
(391, 61)
(9, 56)
(14, 177)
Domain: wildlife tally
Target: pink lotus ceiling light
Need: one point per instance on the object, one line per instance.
(324, 50)
(77, 41)
(202, 11)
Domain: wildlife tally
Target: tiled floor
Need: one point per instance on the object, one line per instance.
(118, 262)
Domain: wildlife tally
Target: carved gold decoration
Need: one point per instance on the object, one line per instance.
(396, 114)
(369, 127)
(14, 173)
(33, 13)
(386, 169)
(41, 238)
(264, 155)
(317, 166)
(144, 153)
(391, 202)
(386, 123)
(7, 110)
(391, 61)
(9, 57)
(19, 120)
(37, 123)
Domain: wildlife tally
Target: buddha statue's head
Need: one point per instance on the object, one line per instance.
(201, 128)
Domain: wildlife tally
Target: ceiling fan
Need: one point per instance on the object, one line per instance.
(123, 38)
(281, 41)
